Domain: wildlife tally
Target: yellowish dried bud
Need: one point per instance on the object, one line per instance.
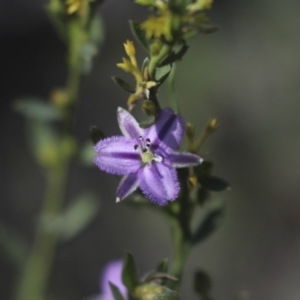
(48, 156)
(150, 84)
(131, 102)
(155, 47)
(149, 108)
(200, 5)
(192, 182)
(73, 6)
(129, 48)
(212, 125)
(190, 131)
(68, 146)
(59, 97)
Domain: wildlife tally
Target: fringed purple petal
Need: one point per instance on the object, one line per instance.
(128, 124)
(116, 155)
(159, 183)
(167, 131)
(184, 159)
(127, 185)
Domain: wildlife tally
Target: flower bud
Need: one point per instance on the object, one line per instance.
(190, 131)
(59, 97)
(212, 125)
(152, 291)
(129, 48)
(149, 108)
(192, 182)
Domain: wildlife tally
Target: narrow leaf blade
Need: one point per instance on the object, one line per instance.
(96, 134)
(163, 266)
(139, 34)
(162, 73)
(129, 274)
(37, 109)
(214, 183)
(116, 292)
(175, 55)
(209, 225)
(123, 84)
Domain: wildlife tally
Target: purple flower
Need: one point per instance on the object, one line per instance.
(146, 157)
(112, 273)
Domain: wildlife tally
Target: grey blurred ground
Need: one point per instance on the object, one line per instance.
(247, 75)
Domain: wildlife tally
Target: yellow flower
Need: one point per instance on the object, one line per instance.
(142, 84)
(158, 26)
(73, 6)
(131, 66)
(159, 4)
(142, 91)
(200, 5)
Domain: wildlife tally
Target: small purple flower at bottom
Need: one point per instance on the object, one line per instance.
(112, 273)
(146, 157)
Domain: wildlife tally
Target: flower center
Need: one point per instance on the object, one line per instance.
(147, 156)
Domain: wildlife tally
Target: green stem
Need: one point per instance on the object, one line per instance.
(156, 59)
(38, 267)
(197, 145)
(171, 84)
(73, 82)
(181, 248)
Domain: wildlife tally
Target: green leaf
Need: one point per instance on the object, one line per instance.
(202, 284)
(129, 274)
(202, 195)
(210, 182)
(160, 278)
(37, 109)
(139, 34)
(75, 219)
(145, 64)
(163, 266)
(96, 30)
(12, 246)
(116, 292)
(204, 28)
(147, 123)
(171, 85)
(96, 134)
(88, 51)
(87, 154)
(208, 225)
(213, 183)
(162, 73)
(208, 28)
(176, 54)
(123, 84)
(43, 141)
(205, 168)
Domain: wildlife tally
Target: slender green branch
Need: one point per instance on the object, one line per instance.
(37, 269)
(156, 59)
(210, 128)
(171, 85)
(181, 248)
(197, 145)
(38, 265)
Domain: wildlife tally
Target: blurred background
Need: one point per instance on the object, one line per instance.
(247, 75)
